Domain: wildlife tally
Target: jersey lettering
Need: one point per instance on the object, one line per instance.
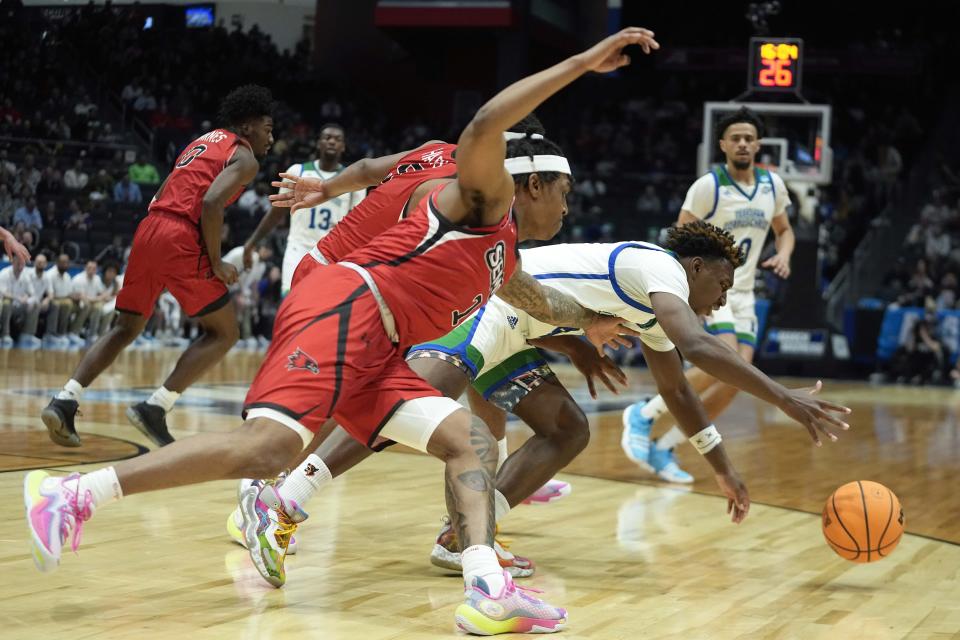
(496, 263)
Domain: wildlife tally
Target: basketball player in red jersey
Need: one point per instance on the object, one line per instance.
(177, 247)
(338, 351)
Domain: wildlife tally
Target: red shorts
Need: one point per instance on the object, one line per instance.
(308, 264)
(167, 254)
(330, 356)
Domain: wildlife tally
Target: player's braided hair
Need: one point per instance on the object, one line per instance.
(530, 147)
(742, 114)
(245, 103)
(703, 240)
(529, 126)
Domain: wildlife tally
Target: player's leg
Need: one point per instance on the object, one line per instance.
(638, 418)
(292, 256)
(59, 415)
(58, 506)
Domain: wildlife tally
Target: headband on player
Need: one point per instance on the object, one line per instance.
(538, 164)
(513, 135)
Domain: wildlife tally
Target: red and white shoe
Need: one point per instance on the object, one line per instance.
(446, 554)
(550, 492)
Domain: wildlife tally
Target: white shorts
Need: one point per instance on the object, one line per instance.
(491, 349)
(291, 259)
(738, 317)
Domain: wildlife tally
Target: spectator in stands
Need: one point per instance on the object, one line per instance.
(923, 356)
(947, 298)
(146, 102)
(51, 182)
(7, 167)
(85, 107)
(75, 178)
(255, 201)
(59, 289)
(128, 192)
(89, 294)
(142, 172)
(112, 282)
(28, 177)
(649, 202)
(50, 218)
(270, 299)
(131, 92)
(29, 215)
(38, 284)
(79, 219)
(115, 253)
(19, 304)
(6, 204)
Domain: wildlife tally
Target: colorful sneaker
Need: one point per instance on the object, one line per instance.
(268, 525)
(58, 417)
(446, 554)
(665, 465)
(635, 440)
(54, 512)
(235, 520)
(510, 611)
(553, 490)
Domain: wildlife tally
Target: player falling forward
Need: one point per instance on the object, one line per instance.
(177, 247)
(747, 201)
(337, 351)
(314, 223)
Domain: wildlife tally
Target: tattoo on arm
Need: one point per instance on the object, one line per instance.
(545, 303)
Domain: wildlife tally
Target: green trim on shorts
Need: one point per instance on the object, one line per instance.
(747, 338)
(506, 370)
(457, 343)
(727, 327)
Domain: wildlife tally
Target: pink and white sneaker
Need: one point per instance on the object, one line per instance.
(54, 512)
(510, 611)
(550, 492)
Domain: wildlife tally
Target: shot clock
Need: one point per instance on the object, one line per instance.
(775, 64)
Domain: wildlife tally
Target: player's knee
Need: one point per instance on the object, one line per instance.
(263, 448)
(462, 434)
(573, 434)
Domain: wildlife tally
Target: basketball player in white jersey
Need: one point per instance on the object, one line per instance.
(746, 201)
(308, 226)
(660, 292)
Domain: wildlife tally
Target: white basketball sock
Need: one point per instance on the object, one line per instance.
(480, 561)
(500, 505)
(502, 452)
(671, 438)
(304, 481)
(654, 408)
(164, 398)
(71, 391)
(102, 485)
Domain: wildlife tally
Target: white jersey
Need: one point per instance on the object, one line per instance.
(615, 278)
(746, 211)
(308, 226)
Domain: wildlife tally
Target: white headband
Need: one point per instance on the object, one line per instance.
(538, 164)
(513, 135)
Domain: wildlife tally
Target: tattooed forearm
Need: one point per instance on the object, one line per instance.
(546, 304)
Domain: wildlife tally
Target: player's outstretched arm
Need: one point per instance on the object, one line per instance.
(588, 361)
(556, 308)
(241, 170)
(483, 188)
(302, 193)
(12, 247)
(683, 328)
(686, 407)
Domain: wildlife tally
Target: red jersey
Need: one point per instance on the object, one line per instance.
(434, 274)
(385, 205)
(195, 170)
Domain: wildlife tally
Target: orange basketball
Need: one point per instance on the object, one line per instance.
(863, 521)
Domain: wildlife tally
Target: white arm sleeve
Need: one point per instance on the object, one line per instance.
(295, 169)
(701, 196)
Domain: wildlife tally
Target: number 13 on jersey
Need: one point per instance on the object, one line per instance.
(320, 219)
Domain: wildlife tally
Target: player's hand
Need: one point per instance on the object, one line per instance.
(607, 55)
(738, 500)
(818, 416)
(609, 331)
(779, 264)
(301, 193)
(12, 247)
(595, 366)
(248, 256)
(226, 272)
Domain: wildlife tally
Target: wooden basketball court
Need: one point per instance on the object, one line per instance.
(628, 556)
